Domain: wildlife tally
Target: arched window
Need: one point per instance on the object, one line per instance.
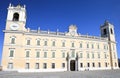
(104, 31)
(15, 17)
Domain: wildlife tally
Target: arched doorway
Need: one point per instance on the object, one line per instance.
(72, 65)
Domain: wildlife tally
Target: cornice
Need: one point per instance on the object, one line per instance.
(82, 37)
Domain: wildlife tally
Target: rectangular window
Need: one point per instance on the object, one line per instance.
(87, 45)
(92, 46)
(63, 44)
(105, 47)
(99, 64)
(88, 64)
(63, 65)
(53, 65)
(38, 42)
(45, 65)
(45, 54)
(37, 66)
(88, 55)
(98, 47)
(93, 64)
(37, 54)
(98, 55)
(81, 65)
(27, 53)
(11, 53)
(28, 42)
(106, 65)
(93, 55)
(10, 65)
(12, 40)
(81, 55)
(53, 54)
(27, 66)
(73, 45)
(53, 43)
(73, 53)
(105, 55)
(80, 45)
(63, 54)
(45, 43)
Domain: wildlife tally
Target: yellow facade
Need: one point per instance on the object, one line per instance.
(26, 50)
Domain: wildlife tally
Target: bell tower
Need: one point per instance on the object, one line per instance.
(16, 18)
(107, 31)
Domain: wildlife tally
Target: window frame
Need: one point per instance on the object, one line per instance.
(81, 45)
(10, 65)
(53, 54)
(99, 64)
(38, 42)
(81, 55)
(88, 55)
(44, 65)
(63, 44)
(13, 41)
(27, 66)
(53, 65)
(87, 45)
(37, 54)
(93, 55)
(73, 53)
(45, 54)
(45, 43)
(28, 42)
(53, 43)
(81, 65)
(27, 55)
(63, 54)
(37, 66)
(72, 45)
(93, 64)
(88, 64)
(11, 54)
(106, 64)
(63, 65)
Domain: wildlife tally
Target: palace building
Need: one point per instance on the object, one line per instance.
(26, 50)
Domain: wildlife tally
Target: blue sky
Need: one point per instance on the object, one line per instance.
(88, 15)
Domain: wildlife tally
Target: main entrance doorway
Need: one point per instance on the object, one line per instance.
(72, 65)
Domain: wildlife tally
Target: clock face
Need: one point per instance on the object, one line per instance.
(14, 26)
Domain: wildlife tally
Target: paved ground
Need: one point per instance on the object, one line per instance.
(80, 74)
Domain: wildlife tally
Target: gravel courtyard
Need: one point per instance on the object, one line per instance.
(80, 74)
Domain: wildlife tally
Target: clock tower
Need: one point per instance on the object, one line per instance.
(16, 18)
